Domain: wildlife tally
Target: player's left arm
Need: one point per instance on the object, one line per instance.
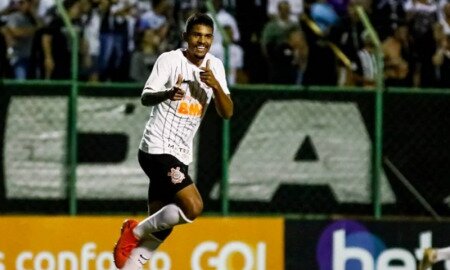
(223, 102)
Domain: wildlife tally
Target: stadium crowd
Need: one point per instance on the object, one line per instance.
(307, 42)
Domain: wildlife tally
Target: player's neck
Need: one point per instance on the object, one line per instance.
(194, 60)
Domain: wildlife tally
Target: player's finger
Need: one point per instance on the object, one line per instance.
(180, 92)
(179, 80)
(207, 67)
(180, 96)
(203, 76)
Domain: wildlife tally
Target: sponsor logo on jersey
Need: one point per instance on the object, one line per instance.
(191, 108)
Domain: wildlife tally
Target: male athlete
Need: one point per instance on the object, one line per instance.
(178, 92)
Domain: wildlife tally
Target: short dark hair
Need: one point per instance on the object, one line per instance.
(199, 18)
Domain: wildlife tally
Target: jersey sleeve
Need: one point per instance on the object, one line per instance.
(219, 73)
(159, 76)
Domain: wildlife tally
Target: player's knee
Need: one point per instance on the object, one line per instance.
(170, 214)
(197, 210)
(194, 210)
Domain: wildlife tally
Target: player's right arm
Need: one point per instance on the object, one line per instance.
(155, 89)
(153, 98)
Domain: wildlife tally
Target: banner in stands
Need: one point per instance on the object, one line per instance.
(336, 133)
(322, 143)
(83, 243)
(110, 129)
(362, 245)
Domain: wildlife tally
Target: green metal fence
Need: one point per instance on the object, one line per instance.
(70, 147)
(293, 150)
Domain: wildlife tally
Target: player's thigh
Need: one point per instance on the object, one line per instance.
(167, 176)
(190, 201)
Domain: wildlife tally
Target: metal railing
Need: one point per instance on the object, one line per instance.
(225, 123)
(378, 143)
(76, 86)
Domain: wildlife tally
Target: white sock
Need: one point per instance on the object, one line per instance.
(167, 217)
(141, 254)
(442, 254)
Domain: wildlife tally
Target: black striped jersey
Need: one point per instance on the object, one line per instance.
(172, 124)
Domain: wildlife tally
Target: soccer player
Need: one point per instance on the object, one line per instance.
(434, 255)
(178, 91)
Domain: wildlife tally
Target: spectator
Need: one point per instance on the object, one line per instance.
(19, 32)
(398, 61)
(154, 18)
(274, 31)
(235, 72)
(319, 52)
(444, 20)
(409, 61)
(386, 15)
(295, 5)
(145, 55)
(114, 39)
(287, 60)
(91, 36)
(251, 31)
(367, 68)
(441, 4)
(230, 3)
(223, 18)
(56, 44)
(44, 9)
(5, 9)
(341, 6)
(323, 14)
(183, 10)
(422, 15)
(441, 61)
(157, 19)
(348, 33)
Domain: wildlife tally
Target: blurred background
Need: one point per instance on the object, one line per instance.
(341, 112)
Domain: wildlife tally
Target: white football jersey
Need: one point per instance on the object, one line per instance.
(173, 124)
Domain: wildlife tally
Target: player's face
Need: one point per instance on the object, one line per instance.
(199, 41)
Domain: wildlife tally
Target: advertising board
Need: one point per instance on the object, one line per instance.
(362, 245)
(83, 243)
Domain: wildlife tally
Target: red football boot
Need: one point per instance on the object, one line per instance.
(126, 243)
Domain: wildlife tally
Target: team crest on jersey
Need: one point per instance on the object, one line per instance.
(176, 175)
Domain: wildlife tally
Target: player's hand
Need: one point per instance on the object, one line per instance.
(207, 76)
(177, 93)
